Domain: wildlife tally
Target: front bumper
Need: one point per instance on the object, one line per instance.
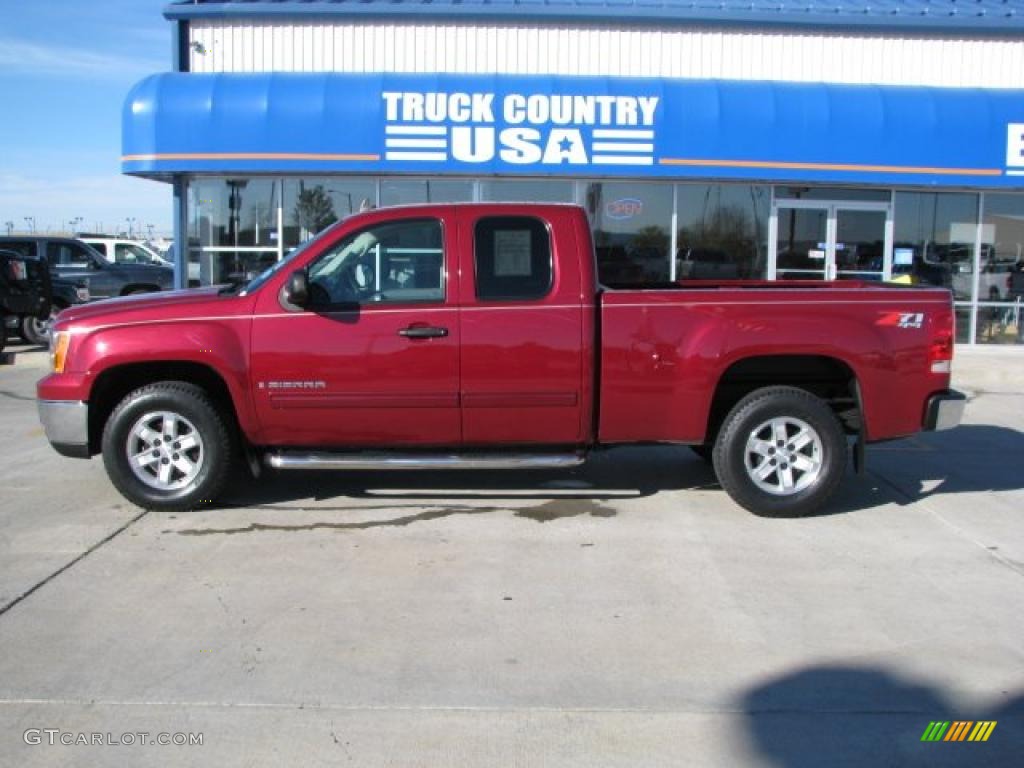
(945, 410)
(66, 423)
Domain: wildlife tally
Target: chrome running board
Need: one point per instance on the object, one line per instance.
(412, 461)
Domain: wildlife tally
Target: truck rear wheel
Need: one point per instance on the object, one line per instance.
(781, 452)
(167, 447)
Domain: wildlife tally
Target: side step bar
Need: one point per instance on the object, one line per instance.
(409, 461)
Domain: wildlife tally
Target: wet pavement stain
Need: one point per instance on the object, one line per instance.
(543, 513)
(558, 509)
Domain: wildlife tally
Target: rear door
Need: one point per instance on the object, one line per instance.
(374, 360)
(523, 321)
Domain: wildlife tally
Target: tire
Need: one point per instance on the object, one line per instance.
(36, 331)
(814, 463)
(174, 480)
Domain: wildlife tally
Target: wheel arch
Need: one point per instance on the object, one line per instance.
(826, 376)
(114, 383)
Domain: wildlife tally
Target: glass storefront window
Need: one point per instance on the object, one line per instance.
(934, 239)
(533, 191)
(1001, 271)
(410, 191)
(232, 226)
(632, 231)
(312, 204)
(722, 231)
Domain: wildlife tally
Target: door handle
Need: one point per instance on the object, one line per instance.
(423, 332)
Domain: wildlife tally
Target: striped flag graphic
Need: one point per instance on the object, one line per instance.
(416, 142)
(622, 146)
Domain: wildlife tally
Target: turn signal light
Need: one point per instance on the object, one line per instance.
(59, 343)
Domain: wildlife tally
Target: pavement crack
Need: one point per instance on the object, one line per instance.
(13, 396)
(40, 584)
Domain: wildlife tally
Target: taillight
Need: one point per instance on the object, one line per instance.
(940, 349)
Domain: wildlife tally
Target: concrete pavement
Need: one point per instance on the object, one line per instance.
(623, 614)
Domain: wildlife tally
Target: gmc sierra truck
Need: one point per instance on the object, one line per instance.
(479, 336)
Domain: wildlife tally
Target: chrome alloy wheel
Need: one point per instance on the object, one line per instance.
(783, 456)
(165, 450)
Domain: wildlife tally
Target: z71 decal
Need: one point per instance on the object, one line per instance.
(901, 320)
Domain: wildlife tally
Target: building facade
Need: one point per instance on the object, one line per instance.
(839, 140)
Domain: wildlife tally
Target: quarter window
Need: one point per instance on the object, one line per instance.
(513, 258)
(398, 261)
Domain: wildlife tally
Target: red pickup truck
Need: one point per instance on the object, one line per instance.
(478, 336)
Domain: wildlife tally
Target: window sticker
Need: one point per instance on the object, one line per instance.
(512, 253)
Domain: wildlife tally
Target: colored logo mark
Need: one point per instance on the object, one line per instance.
(958, 730)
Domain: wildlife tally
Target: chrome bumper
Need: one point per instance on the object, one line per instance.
(66, 423)
(945, 411)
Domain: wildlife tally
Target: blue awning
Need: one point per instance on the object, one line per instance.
(573, 126)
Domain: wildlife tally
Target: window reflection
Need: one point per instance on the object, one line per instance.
(410, 191)
(631, 223)
(722, 231)
(1001, 271)
(934, 239)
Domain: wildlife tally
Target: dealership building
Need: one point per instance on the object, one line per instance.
(735, 139)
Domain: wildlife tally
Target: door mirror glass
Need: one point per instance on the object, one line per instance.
(296, 289)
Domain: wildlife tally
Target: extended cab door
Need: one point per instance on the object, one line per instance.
(527, 327)
(374, 358)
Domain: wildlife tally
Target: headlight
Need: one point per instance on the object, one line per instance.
(59, 343)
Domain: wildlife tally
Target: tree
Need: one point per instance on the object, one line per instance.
(314, 210)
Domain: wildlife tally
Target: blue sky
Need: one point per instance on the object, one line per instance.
(65, 68)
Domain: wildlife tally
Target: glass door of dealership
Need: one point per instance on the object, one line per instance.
(830, 240)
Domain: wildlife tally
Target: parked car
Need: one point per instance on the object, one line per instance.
(22, 294)
(477, 336)
(73, 260)
(121, 251)
(64, 294)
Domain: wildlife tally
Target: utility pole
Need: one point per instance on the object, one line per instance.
(31, 221)
(10, 227)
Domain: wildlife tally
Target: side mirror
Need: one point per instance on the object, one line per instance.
(296, 290)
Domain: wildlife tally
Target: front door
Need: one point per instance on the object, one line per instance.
(374, 358)
(820, 240)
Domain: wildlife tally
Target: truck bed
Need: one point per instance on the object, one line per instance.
(665, 349)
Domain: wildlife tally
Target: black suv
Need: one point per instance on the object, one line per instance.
(20, 295)
(70, 259)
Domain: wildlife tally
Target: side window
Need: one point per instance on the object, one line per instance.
(67, 254)
(392, 262)
(22, 248)
(513, 258)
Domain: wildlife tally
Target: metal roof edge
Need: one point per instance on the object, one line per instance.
(1009, 25)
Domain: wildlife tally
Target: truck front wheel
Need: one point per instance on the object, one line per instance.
(167, 447)
(781, 452)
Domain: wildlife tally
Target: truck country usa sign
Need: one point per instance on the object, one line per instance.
(576, 127)
(519, 128)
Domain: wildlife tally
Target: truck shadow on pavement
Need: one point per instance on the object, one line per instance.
(840, 715)
(971, 458)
